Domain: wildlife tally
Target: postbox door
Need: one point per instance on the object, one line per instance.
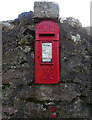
(46, 62)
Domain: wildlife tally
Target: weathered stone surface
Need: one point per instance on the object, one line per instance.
(27, 40)
(51, 92)
(13, 76)
(74, 110)
(75, 23)
(7, 25)
(7, 109)
(46, 10)
(16, 21)
(14, 56)
(31, 110)
(26, 18)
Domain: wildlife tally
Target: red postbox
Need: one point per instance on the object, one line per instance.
(46, 52)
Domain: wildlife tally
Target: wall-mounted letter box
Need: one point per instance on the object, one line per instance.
(46, 52)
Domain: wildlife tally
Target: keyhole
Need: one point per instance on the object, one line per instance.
(38, 56)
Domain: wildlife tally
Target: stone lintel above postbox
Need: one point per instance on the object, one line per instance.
(46, 10)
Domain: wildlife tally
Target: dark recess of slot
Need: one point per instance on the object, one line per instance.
(47, 35)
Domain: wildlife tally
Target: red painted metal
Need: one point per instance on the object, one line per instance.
(46, 33)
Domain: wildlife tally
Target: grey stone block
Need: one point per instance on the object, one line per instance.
(46, 10)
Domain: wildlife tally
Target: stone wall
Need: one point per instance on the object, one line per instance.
(0, 71)
(71, 98)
